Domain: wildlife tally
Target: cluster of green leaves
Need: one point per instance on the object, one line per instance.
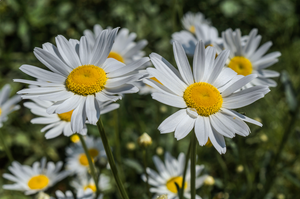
(25, 24)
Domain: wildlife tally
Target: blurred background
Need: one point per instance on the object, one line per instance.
(265, 164)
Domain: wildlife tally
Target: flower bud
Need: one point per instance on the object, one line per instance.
(145, 140)
(209, 180)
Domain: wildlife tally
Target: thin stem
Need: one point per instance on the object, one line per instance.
(193, 166)
(187, 157)
(145, 167)
(111, 160)
(91, 164)
(7, 150)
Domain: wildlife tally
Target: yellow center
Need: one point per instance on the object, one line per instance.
(241, 65)
(171, 184)
(38, 182)
(83, 159)
(86, 80)
(203, 97)
(90, 186)
(75, 138)
(66, 116)
(116, 56)
(192, 29)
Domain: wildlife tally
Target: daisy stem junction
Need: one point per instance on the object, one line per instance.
(193, 165)
(111, 160)
(7, 150)
(184, 171)
(91, 164)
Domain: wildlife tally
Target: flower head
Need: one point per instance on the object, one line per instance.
(171, 172)
(190, 20)
(205, 96)
(80, 194)
(33, 179)
(247, 58)
(81, 77)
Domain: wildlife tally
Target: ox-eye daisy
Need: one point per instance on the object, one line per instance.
(206, 33)
(86, 182)
(33, 179)
(171, 172)
(59, 123)
(77, 161)
(205, 96)
(81, 76)
(124, 49)
(80, 194)
(248, 58)
(7, 105)
(190, 20)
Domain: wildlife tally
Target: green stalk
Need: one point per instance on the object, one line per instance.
(193, 165)
(91, 164)
(111, 160)
(7, 150)
(184, 171)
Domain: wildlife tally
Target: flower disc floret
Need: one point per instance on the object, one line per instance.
(171, 184)
(203, 97)
(86, 80)
(241, 65)
(38, 182)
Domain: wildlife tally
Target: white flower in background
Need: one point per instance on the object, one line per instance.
(77, 161)
(124, 49)
(7, 105)
(34, 179)
(60, 123)
(81, 194)
(249, 59)
(145, 89)
(85, 182)
(205, 33)
(171, 172)
(81, 77)
(205, 96)
(190, 20)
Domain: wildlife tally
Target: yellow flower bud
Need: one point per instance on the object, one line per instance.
(209, 180)
(145, 140)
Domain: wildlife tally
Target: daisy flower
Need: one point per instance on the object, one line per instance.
(124, 49)
(208, 34)
(77, 161)
(57, 124)
(249, 59)
(81, 77)
(205, 96)
(171, 172)
(7, 105)
(86, 182)
(190, 20)
(81, 194)
(34, 179)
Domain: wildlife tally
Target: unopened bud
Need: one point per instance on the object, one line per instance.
(75, 138)
(145, 140)
(159, 150)
(164, 196)
(240, 169)
(130, 146)
(264, 137)
(209, 180)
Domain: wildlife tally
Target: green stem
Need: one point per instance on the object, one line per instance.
(111, 160)
(145, 167)
(193, 165)
(187, 157)
(7, 150)
(91, 164)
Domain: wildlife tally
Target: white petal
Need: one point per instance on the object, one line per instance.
(78, 117)
(210, 54)
(219, 65)
(201, 130)
(199, 62)
(184, 127)
(84, 51)
(218, 141)
(238, 84)
(91, 111)
(171, 100)
(170, 124)
(70, 104)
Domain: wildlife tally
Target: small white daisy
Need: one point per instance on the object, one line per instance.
(124, 49)
(59, 123)
(171, 172)
(249, 59)
(206, 33)
(81, 76)
(86, 182)
(33, 179)
(205, 96)
(81, 194)
(190, 20)
(77, 161)
(7, 105)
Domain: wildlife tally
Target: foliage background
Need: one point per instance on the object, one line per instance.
(25, 24)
